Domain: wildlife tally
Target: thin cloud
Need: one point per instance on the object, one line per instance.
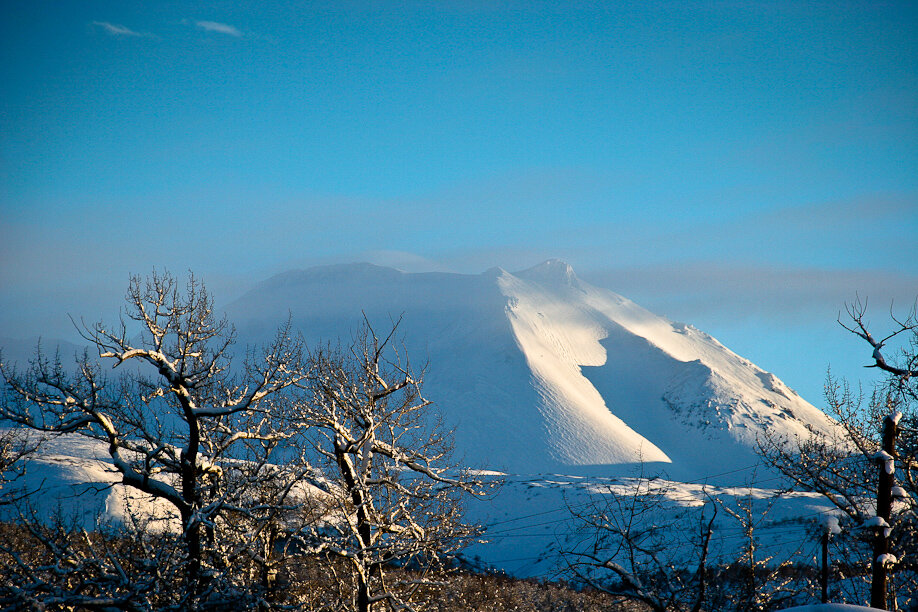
(867, 208)
(216, 26)
(403, 260)
(116, 29)
(793, 295)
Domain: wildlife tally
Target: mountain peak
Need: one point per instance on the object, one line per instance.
(551, 272)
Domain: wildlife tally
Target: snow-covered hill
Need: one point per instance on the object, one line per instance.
(542, 372)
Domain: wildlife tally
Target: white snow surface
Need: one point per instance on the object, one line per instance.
(830, 607)
(875, 521)
(530, 520)
(73, 476)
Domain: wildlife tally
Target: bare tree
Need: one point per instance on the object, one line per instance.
(15, 448)
(182, 426)
(639, 548)
(395, 493)
(646, 541)
(760, 578)
(844, 467)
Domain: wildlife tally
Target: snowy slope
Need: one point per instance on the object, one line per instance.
(73, 476)
(540, 371)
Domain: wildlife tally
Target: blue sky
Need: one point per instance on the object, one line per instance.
(746, 167)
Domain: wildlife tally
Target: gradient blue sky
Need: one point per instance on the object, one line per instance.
(742, 166)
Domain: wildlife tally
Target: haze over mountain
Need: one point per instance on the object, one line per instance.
(542, 372)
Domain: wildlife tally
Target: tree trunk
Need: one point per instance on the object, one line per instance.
(884, 510)
(824, 578)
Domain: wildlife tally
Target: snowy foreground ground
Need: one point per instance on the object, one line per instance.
(528, 522)
(829, 608)
(534, 518)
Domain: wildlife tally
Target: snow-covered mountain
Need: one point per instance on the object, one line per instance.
(542, 372)
(568, 389)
